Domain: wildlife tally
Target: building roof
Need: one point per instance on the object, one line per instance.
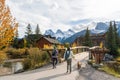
(54, 41)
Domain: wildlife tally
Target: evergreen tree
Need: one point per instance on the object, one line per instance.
(15, 41)
(116, 36)
(37, 31)
(16, 34)
(28, 33)
(87, 39)
(29, 30)
(111, 42)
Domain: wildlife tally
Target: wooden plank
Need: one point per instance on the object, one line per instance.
(78, 47)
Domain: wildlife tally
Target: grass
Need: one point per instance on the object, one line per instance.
(118, 59)
(110, 71)
(105, 68)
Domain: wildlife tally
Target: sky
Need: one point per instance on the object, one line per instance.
(62, 14)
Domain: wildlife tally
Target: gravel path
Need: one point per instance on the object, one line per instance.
(90, 73)
(47, 73)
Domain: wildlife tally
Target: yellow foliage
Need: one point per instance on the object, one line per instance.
(3, 56)
(48, 46)
(101, 45)
(15, 51)
(74, 45)
(60, 46)
(8, 25)
(118, 59)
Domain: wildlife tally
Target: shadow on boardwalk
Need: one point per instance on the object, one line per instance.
(43, 68)
(53, 76)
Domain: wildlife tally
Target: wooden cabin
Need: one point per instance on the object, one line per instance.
(46, 42)
(96, 40)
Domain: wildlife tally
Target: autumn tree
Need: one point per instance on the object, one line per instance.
(8, 25)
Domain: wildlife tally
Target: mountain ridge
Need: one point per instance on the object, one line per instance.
(70, 35)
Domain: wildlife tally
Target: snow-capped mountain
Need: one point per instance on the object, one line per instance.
(60, 35)
(100, 28)
(72, 34)
(70, 31)
(49, 32)
(80, 27)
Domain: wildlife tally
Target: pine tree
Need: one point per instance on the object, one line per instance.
(15, 41)
(116, 36)
(37, 31)
(8, 25)
(87, 39)
(28, 33)
(29, 30)
(111, 42)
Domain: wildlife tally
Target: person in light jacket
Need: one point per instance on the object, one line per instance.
(68, 55)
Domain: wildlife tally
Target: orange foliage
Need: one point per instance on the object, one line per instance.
(8, 25)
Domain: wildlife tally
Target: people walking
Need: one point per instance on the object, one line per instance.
(68, 55)
(54, 57)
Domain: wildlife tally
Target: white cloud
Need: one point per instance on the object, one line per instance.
(60, 13)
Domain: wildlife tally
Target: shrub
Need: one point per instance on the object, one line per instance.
(110, 70)
(3, 56)
(45, 57)
(119, 52)
(16, 53)
(61, 54)
(27, 64)
(118, 59)
(35, 59)
(114, 66)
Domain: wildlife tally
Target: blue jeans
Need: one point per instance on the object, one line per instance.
(54, 62)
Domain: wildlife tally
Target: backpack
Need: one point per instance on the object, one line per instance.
(67, 55)
(54, 53)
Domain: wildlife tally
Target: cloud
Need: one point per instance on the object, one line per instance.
(63, 14)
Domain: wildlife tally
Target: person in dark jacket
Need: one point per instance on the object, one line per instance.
(54, 57)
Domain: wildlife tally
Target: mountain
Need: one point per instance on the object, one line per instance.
(59, 32)
(101, 26)
(80, 27)
(49, 32)
(70, 31)
(73, 37)
(60, 35)
(118, 31)
(70, 35)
